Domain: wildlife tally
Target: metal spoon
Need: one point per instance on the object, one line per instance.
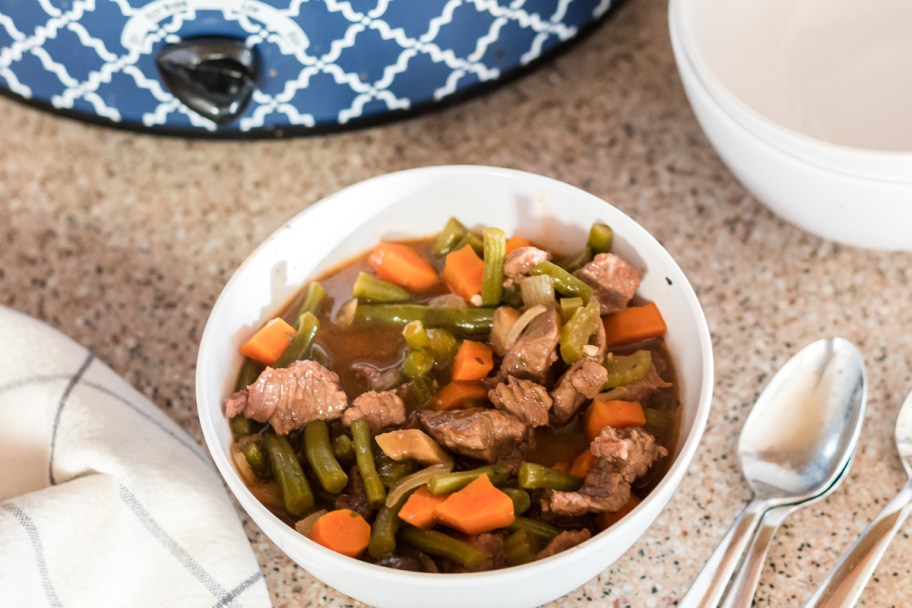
(844, 585)
(744, 585)
(794, 444)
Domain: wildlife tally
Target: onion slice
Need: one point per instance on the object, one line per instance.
(521, 324)
(504, 319)
(414, 480)
(538, 289)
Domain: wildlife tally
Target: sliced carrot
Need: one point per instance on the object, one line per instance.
(479, 507)
(463, 271)
(606, 519)
(268, 344)
(473, 361)
(634, 324)
(455, 393)
(582, 464)
(402, 265)
(419, 509)
(616, 414)
(515, 242)
(343, 531)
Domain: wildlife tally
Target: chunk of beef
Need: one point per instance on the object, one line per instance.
(533, 354)
(354, 497)
(477, 433)
(520, 261)
(524, 399)
(613, 279)
(641, 390)
(581, 382)
(491, 543)
(291, 397)
(563, 541)
(379, 409)
(622, 456)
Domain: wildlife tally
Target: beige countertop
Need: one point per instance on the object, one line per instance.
(124, 241)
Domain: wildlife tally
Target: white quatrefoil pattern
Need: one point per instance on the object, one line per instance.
(322, 62)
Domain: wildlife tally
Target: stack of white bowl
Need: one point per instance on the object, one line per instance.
(809, 104)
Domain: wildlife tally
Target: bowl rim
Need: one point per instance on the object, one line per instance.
(892, 166)
(673, 477)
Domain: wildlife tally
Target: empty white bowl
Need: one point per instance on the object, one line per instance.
(416, 203)
(805, 103)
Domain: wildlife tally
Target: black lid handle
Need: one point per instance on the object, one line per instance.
(214, 77)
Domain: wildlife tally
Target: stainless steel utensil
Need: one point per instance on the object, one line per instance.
(795, 443)
(845, 583)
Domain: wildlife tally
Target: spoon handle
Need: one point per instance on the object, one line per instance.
(709, 586)
(844, 585)
(744, 583)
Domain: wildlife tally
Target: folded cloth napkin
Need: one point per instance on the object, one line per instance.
(104, 500)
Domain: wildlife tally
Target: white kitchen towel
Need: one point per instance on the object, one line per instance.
(104, 500)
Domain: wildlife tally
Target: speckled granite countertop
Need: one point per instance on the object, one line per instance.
(123, 242)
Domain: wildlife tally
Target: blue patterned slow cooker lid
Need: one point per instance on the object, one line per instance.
(318, 63)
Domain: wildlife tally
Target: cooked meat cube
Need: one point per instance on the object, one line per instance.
(489, 542)
(622, 456)
(291, 397)
(533, 354)
(354, 497)
(581, 382)
(476, 433)
(563, 541)
(641, 390)
(520, 261)
(524, 399)
(613, 279)
(379, 409)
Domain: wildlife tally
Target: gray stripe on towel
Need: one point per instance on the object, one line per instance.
(234, 593)
(180, 554)
(32, 531)
(63, 399)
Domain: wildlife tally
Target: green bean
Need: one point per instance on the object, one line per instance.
(520, 498)
(534, 476)
(250, 371)
(564, 282)
(471, 321)
(438, 543)
(471, 239)
(383, 530)
(240, 426)
(521, 547)
(320, 456)
(303, 340)
(575, 333)
(369, 287)
(420, 391)
(574, 262)
(364, 456)
(415, 335)
(452, 233)
(417, 364)
(313, 301)
(541, 530)
(443, 344)
(568, 306)
(342, 449)
(624, 369)
(286, 469)
(450, 482)
(600, 237)
(495, 250)
(256, 458)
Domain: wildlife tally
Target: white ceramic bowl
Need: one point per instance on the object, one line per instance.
(415, 203)
(852, 194)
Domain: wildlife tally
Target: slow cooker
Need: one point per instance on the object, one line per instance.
(265, 67)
